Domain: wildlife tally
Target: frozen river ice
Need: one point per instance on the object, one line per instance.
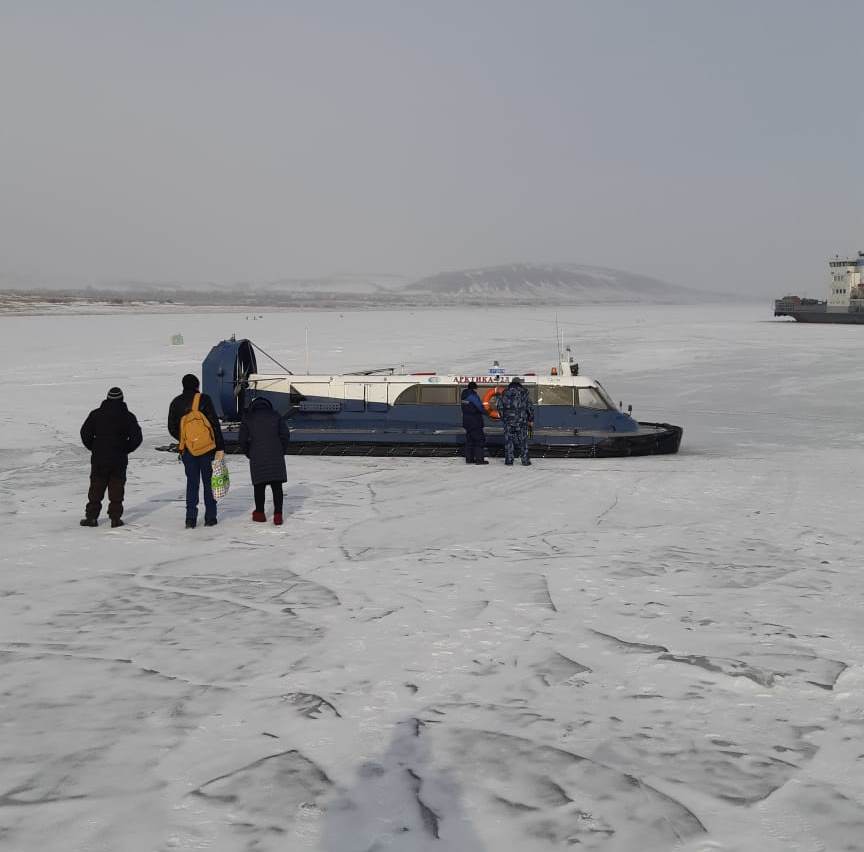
(614, 654)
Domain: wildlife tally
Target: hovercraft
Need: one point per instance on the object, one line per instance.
(388, 413)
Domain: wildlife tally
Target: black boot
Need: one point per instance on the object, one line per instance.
(190, 524)
(481, 461)
(89, 522)
(117, 522)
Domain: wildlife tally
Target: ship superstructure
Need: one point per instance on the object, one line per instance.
(845, 298)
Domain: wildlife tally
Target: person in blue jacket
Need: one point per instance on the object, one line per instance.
(472, 421)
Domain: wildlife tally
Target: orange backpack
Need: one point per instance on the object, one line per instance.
(196, 433)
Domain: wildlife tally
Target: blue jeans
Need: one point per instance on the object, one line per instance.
(199, 468)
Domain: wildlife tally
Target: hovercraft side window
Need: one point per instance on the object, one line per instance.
(438, 395)
(409, 396)
(555, 395)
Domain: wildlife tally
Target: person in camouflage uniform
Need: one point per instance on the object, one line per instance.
(517, 415)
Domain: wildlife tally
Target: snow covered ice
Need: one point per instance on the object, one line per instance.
(616, 654)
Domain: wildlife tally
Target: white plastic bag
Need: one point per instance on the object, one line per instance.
(221, 480)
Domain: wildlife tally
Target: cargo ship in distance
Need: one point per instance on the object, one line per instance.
(845, 302)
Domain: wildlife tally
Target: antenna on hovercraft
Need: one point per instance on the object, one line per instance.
(565, 359)
(566, 364)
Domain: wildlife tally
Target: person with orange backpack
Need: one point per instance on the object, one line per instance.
(192, 421)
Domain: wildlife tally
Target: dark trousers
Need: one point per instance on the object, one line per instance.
(475, 444)
(112, 477)
(199, 469)
(260, 493)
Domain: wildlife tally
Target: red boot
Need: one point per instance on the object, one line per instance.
(259, 516)
(277, 519)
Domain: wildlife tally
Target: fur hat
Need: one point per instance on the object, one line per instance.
(190, 382)
(472, 385)
(515, 380)
(115, 393)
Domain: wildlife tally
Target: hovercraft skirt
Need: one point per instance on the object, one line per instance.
(665, 440)
(653, 440)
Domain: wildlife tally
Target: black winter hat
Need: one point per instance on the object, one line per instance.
(515, 380)
(472, 385)
(190, 382)
(115, 393)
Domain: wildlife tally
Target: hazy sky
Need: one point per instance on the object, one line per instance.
(713, 144)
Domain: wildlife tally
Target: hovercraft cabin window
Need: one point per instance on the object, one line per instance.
(438, 395)
(409, 396)
(428, 395)
(555, 395)
(570, 396)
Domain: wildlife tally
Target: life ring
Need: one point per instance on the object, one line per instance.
(489, 404)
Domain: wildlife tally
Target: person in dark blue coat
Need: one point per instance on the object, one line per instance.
(264, 438)
(472, 421)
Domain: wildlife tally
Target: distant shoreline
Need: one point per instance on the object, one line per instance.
(518, 285)
(34, 304)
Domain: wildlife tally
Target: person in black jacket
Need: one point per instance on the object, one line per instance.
(472, 421)
(264, 439)
(110, 432)
(198, 468)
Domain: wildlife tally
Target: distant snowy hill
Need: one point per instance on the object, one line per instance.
(553, 283)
